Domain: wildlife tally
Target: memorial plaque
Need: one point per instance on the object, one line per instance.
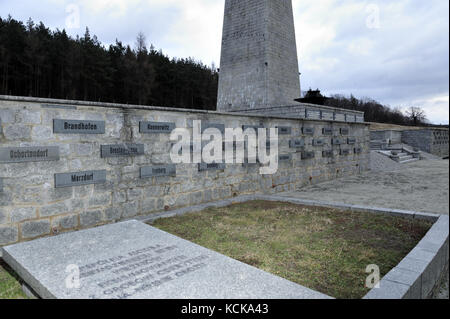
(248, 163)
(351, 140)
(118, 150)
(132, 260)
(337, 141)
(159, 171)
(220, 127)
(210, 167)
(327, 131)
(284, 130)
(308, 155)
(318, 142)
(78, 127)
(344, 131)
(358, 150)
(1, 127)
(1, 185)
(254, 127)
(298, 143)
(80, 178)
(345, 152)
(327, 153)
(308, 130)
(285, 157)
(29, 154)
(156, 127)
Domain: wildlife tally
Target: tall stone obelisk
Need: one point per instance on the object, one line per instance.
(259, 64)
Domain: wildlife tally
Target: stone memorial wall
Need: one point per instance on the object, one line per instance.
(67, 165)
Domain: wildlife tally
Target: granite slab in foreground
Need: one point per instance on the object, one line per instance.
(132, 260)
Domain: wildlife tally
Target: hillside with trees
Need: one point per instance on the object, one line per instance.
(38, 62)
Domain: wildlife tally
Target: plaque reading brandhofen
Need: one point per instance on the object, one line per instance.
(29, 154)
(78, 127)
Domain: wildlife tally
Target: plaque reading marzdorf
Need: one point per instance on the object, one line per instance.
(80, 178)
(29, 154)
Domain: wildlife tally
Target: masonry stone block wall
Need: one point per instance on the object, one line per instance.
(32, 206)
(394, 137)
(434, 141)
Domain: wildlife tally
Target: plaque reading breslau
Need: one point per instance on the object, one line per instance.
(308, 130)
(156, 127)
(308, 155)
(80, 178)
(220, 127)
(159, 171)
(327, 153)
(296, 143)
(284, 130)
(29, 154)
(119, 150)
(318, 142)
(210, 167)
(78, 127)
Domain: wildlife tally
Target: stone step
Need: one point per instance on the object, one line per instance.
(409, 160)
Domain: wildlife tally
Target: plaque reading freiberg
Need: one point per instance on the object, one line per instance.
(119, 150)
(29, 154)
(159, 171)
(78, 127)
(80, 178)
(156, 127)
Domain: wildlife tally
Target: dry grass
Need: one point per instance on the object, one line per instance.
(324, 249)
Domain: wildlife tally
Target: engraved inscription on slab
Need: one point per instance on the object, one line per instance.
(158, 171)
(296, 143)
(344, 131)
(358, 150)
(345, 152)
(1, 185)
(80, 178)
(220, 127)
(156, 127)
(327, 153)
(285, 157)
(337, 141)
(318, 142)
(308, 154)
(351, 140)
(327, 131)
(29, 154)
(284, 130)
(78, 127)
(118, 150)
(308, 131)
(210, 167)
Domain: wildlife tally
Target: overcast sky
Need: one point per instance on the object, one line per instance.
(396, 52)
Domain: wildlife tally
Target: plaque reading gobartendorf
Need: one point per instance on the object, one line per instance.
(78, 127)
(119, 150)
(29, 154)
(80, 178)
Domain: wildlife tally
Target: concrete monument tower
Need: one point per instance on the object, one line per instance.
(259, 65)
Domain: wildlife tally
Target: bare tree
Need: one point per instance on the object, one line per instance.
(416, 115)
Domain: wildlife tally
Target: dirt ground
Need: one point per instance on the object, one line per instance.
(419, 186)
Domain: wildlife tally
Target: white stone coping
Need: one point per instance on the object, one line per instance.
(160, 108)
(414, 277)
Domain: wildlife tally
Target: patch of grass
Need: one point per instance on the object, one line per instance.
(10, 286)
(321, 248)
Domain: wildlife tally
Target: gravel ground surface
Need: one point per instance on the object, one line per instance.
(419, 186)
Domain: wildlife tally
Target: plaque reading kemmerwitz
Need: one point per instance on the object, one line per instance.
(80, 178)
(119, 150)
(156, 127)
(29, 154)
(78, 127)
